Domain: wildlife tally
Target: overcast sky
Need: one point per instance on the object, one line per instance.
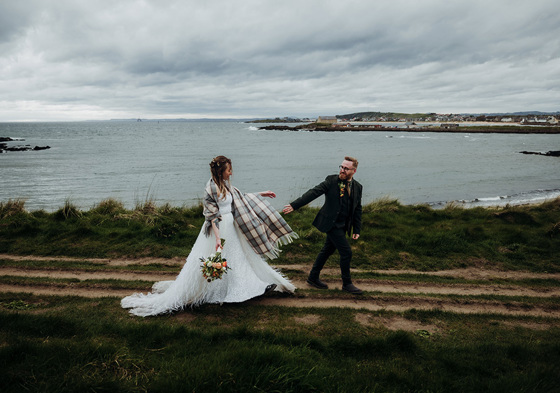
(87, 60)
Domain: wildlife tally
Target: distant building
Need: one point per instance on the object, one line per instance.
(327, 119)
(449, 126)
(535, 122)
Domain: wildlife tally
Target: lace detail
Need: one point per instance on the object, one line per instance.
(225, 204)
(249, 276)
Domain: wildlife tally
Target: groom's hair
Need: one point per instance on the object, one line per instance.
(354, 161)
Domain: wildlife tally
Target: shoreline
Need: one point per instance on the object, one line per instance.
(487, 203)
(472, 128)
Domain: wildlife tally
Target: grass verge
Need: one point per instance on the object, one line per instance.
(393, 236)
(67, 344)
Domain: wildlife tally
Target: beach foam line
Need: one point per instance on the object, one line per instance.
(530, 197)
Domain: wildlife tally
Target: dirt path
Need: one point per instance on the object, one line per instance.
(416, 303)
(375, 304)
(366, 285)
(467, 273)
(382, 294)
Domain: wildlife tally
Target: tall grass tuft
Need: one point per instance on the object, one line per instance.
(385, 204)
(146, 212)
(12, 207)
(147, 207)
(68, 212)
(453, 206)
(109, 207)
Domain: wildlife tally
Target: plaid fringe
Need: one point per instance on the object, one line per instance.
(262, 225)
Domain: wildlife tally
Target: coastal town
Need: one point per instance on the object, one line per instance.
(522, 118)
(539, 123)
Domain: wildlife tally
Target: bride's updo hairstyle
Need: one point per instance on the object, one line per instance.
(217, 167)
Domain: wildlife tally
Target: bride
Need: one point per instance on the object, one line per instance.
(252, 229)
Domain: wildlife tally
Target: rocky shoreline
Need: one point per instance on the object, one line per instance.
(16, 148)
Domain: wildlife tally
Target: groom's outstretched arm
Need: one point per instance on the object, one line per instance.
(308, 197)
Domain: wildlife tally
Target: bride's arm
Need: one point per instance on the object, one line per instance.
(217, 235)
(267, 194)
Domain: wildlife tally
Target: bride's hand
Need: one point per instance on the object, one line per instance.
(218, 244)
(267, 194)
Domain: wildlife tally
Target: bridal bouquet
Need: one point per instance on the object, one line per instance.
(214, 266)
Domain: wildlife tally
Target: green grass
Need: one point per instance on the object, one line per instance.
(423, 239)
(67, 344)
(107, 230)
(74, 344)
(393, 235)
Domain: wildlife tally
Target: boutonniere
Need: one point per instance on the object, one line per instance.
(342, 187)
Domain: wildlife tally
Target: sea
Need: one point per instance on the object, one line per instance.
(168, 162)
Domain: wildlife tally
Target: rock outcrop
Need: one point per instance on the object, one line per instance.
(4, 146)
(552, 153)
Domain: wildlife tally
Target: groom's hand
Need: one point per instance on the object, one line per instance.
(288, 209)
(355, 236)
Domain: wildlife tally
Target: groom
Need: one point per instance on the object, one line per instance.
(340, 214)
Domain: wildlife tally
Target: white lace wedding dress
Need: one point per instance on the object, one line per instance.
(248, 277)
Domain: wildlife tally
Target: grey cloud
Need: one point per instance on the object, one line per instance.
(181, 57)
(15, 18)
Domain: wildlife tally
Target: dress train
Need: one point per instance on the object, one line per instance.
(248, 277)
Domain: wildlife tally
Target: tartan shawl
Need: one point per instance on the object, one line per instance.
(260, 223)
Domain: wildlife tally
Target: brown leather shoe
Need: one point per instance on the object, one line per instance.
(315, 282)
(351, 288)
